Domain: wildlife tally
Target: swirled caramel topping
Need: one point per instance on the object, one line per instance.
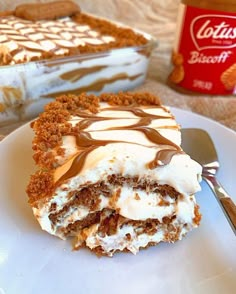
(113, 125)
(25, 40)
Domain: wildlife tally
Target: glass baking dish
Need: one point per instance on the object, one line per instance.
(26, 88)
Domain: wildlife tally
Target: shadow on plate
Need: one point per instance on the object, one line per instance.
(19, 166)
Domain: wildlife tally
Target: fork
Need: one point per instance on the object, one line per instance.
(192, 142)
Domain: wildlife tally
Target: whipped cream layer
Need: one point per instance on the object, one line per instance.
(120, 242)
(131, 204)
(128, 142)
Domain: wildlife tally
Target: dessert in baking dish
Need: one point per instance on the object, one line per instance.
(50, 49)
(30, 33)
(112, 174)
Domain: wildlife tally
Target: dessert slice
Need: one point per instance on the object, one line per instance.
(111, 173)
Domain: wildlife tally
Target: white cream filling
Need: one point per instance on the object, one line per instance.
(181, 173)
(119, 241)
(132, 204)
(139, 205)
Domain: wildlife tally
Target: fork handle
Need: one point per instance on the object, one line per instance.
(230, 208)
(226, 203)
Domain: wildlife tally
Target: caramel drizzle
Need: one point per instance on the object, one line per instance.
(85, 123)
(146, 118)
(163, 157)
(86, 143)
(137, 111)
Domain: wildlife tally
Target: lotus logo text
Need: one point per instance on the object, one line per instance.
(213, 31)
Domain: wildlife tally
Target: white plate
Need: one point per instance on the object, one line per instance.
(32, 261)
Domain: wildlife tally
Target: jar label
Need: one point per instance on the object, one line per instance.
(204, 55)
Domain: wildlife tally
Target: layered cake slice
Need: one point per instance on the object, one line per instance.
(112, 174)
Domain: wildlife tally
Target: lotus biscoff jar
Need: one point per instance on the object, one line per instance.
(204, 54)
